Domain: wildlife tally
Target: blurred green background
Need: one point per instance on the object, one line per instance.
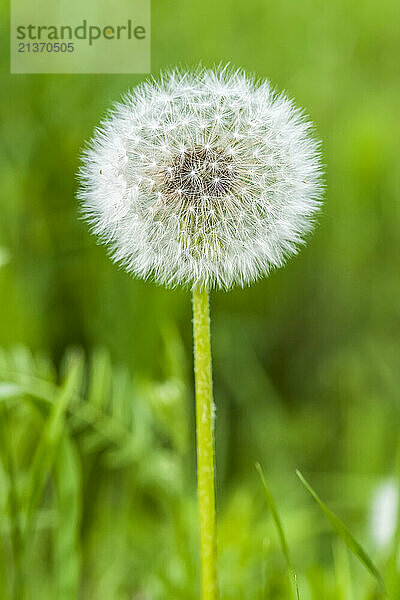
(97, 493)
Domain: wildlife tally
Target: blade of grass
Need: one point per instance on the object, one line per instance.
(68, 487)
(13, 504)
(46, 451)
(264, 584)
(279, 528)
(342, 570)
(342, 531)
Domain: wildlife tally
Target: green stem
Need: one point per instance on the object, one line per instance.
(205, 444)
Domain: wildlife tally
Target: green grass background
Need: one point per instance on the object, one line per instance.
(97, 480)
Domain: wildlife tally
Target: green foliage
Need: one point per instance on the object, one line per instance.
(60, 432)
(279, 527)
(97, 460)
(97, 488)
(343, 532)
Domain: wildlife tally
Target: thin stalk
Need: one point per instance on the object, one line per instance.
(205, 444)
(13, 509)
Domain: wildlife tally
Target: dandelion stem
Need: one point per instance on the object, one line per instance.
(205, 443)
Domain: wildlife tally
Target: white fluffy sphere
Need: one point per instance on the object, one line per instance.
(205, 178)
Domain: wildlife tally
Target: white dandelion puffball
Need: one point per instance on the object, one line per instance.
(204, 178)
(384, 512)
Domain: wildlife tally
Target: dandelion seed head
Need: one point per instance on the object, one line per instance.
(205, 178)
